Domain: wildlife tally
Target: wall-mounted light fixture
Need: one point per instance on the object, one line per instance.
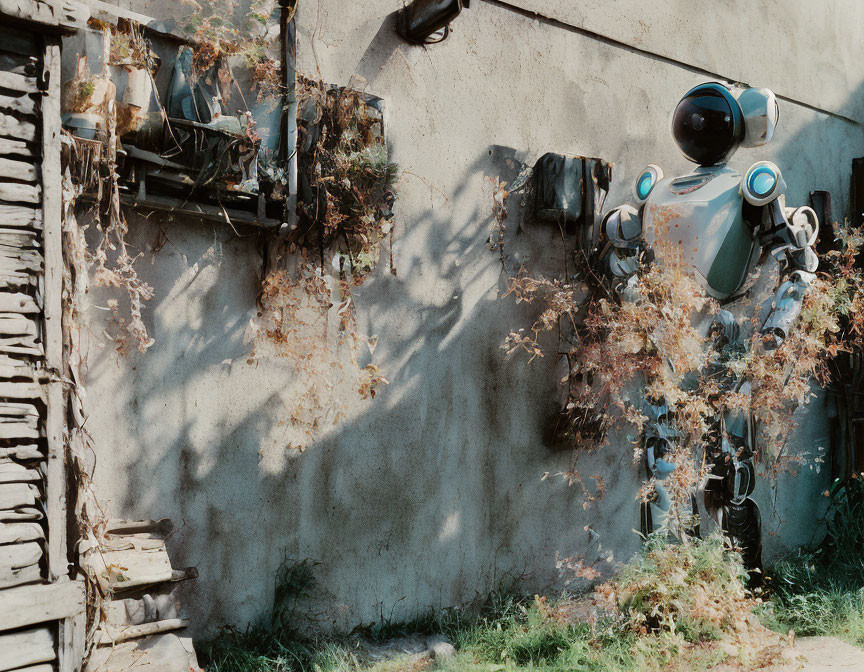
(428, 21)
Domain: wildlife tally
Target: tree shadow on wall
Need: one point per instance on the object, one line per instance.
(427, 498)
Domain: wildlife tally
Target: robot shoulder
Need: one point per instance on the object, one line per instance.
(762, 183)
(646, 182)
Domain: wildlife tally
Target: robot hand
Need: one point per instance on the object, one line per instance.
(785, 309)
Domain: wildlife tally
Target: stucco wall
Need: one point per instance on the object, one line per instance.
(431, 494)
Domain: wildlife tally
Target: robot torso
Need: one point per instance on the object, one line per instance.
(697, 221)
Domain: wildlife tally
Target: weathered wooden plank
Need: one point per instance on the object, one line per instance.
(16, 368)
(14, 495)
(10, 147)
(22, 452)
(23, 104)
(19, 193)
(21, 271)
(73, 642)
(18, 170)
(20, 215)
(17, 302)
(12, 472)
(18, 430)
(15, 533)
(19, 577)
(18, 334)
(18, 129)
(18, 556)
(29, 605)
(21, 390)
(20, 260)
(29, 10)
(24, 513)
(14, 324)
(142, 568)
(107, 636)
(16, 82)
(52, 209)
(12, 409)
(26, 647)
(21, 346)
(15, 236)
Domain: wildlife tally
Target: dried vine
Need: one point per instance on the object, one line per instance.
(648, 344)
(344, 213)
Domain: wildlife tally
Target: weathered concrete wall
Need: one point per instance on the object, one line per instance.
(432, 493)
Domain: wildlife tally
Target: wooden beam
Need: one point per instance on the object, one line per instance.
(52, 207)
(15, 192)
(18, 302)
(73, 643)
(106, 638)
(15, 82)
(12, 472)
(14, 148)
(16, 129)
(17, 577)
(29, 605)
(18, 556)
(15, 533)
(27, 647)
(15, 495)
(27, 452)
(17, 170)
(20, 104)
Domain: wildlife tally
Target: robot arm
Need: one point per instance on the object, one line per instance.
(623, 226)
(789, 234)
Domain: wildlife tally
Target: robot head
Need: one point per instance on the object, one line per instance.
(713, 120)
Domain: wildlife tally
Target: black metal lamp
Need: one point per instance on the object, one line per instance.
(428, 21)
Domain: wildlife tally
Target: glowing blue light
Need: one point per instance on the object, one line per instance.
(761, 181)
(644, 185)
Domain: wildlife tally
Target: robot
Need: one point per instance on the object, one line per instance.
(722, 225)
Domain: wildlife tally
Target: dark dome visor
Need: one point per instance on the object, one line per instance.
(708, 125)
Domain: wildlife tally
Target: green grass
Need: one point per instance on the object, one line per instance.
(820, 590)
(510, 634)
